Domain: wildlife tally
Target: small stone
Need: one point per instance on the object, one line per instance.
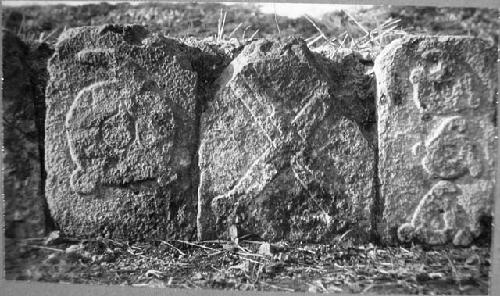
(74, 249)
(462, 238)
(266, 249)
(97, 258)
(232, 247)
(473, 260)
(53, 238)
(436, 275)
(233, 233)
(53, 258)
(406, 232)
(197, 276)
(312, 289)
(86, 255)
(74, 252)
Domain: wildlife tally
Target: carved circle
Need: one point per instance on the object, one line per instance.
(441, 87)
(445, 160)
(110, 131)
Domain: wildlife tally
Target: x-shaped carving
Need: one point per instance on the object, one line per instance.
(283, 133)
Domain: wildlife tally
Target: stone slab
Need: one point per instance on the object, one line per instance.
(437, 137)
(281, 156)
(121, 134)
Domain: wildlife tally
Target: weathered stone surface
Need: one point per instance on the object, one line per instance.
(121, 134)
(281, 155)
(23, 112)
(437, 137)
(209, 58)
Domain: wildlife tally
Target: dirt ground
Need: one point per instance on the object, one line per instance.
(252, 265)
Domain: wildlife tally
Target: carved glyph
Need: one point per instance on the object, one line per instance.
(294, 152)
(281, 135)
(454, 147)
(437, 216)
(450, 152)
(442, 87)
(105, 127)
(121, 134)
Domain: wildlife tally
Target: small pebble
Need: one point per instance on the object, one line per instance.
(53, 258)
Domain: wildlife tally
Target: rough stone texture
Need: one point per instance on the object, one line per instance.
(354, 85)
(23, 112)
(437, 138)
(121, 134)
(281, 155)
(209, 58)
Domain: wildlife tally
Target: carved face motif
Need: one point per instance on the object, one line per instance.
(112, 139)
(442, 86)
(437, 209)
(450, 153)
(438, 215)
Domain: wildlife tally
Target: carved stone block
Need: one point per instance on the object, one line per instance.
(437, 137)
(281, 155)
(121, 134)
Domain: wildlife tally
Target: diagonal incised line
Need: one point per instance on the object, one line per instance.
(268, 117)
(257, 98)
(259, 123)
(245, 183)
(294, 163)
(304, 185)
(313, 100)
(302, 111)
(252, 171)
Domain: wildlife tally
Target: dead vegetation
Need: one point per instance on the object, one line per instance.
(252, 265)
(367, 30)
